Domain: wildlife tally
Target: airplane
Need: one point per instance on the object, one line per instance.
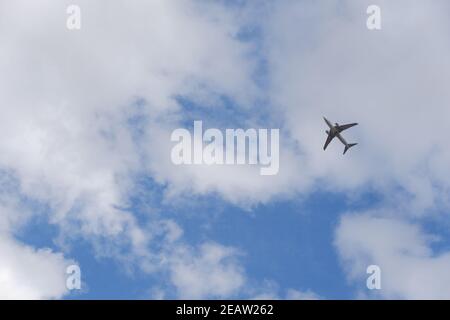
(335, 131)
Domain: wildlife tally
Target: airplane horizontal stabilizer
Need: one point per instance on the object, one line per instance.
(348, 146)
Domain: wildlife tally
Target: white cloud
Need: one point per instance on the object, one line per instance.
(66, 98)
(27, 273)
(293, 294)
(270, 291)
(410, 269)
(210, 271)
(333, 66)
(67, 95)
(240, 184)
(392, 81)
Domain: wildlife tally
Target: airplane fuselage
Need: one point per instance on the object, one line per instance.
(341, 138)
(335, 132)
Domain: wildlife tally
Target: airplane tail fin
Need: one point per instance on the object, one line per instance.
(348, 146)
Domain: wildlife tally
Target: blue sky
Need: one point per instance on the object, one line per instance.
(86, 175)
(285, 243)
(296, 251)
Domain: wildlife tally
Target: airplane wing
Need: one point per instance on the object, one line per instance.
(329, 138)
(345, 126)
